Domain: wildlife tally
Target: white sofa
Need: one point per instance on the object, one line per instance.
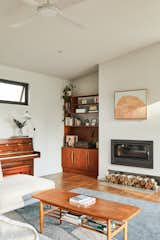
(16, 191)
(11, 230)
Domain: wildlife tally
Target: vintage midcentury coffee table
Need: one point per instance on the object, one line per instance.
(104, 210)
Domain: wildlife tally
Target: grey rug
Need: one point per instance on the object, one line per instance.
(144, 226)
(52, 229)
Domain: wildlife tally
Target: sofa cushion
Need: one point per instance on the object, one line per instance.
(1, 173)
(42, 237)
(16, 189)
(11, 230)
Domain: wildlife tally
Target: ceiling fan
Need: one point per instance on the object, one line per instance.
(48, 9)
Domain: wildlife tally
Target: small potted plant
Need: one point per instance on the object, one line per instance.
(20, 124)
(67, 91)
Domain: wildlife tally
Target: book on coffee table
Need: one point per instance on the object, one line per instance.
(82, 200)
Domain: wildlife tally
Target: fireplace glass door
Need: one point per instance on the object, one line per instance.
(132, 153)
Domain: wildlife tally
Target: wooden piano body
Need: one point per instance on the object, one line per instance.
(17, 156)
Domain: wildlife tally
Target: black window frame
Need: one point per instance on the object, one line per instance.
(24, 85)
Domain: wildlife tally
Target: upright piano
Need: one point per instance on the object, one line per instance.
(17, 156)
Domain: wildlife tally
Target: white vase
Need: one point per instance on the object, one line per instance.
(19, 132)
(69, 93)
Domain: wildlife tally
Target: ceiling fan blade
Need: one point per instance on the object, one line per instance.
(31, 2)
(22, 23)
(73, 22)
(62, 4)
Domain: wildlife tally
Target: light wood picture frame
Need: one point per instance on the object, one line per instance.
(131, 104)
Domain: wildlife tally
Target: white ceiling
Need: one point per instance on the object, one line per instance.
(113, 28)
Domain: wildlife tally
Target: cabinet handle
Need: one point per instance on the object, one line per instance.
(72, 158)
(87, 163)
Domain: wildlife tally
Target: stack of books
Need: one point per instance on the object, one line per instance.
(94, 224)
(82, 200)
(98, 225)
(71, 218)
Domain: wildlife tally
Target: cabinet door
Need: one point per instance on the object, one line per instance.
(67, 157)
(80, 159)
(92, 160)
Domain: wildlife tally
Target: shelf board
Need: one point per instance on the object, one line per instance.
(86, 96)
(86, 104)
(87, 113)
(82, 126)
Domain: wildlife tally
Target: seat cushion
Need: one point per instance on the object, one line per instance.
(16, 189)
(11, 230)
(42, 237)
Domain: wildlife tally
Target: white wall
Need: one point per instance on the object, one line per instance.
(86, 85)
(45, 107)
(138, 70)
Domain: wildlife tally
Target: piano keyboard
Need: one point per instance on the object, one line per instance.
(21, 156)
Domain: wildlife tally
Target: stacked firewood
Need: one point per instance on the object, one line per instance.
(134, 181)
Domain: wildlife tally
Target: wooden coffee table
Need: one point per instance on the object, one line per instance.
(104, 210)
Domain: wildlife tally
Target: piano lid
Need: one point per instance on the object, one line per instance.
(17, 147)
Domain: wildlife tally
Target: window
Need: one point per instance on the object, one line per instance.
(13, 92)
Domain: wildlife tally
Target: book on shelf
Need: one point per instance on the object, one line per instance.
(81, 110)
(72, 218)
(84, 220)
(93, 111)
(98, 225)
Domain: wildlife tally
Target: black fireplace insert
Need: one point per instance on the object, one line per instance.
(134, 153)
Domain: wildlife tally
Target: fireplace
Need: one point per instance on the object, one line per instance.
(132, 153)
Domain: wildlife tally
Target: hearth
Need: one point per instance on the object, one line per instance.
(134, 153)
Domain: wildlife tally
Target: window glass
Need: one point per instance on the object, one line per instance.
(13, 92)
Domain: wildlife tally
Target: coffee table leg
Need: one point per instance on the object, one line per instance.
(60, 215)
(41, 216)
(109, 230)
(125, 231)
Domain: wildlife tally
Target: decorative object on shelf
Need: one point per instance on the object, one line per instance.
(81, 110)
(96, 99)
(82, 144)
(86, 122)
(77, 122)
(93, 139)
(94, 122)
(21, 123)
(84, 101)
(131, 104)
(69, 121)
(71, 140)
(93, 108)
(67, 91)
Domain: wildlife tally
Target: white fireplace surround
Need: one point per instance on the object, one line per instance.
(136, 70)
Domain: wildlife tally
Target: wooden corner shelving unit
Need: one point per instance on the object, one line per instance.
(81, 158)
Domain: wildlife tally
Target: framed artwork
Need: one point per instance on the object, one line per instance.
(131, 104)
(71, 140)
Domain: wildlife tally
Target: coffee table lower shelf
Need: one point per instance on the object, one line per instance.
(57, 212)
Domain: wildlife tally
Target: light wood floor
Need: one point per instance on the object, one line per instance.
(69, 181)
